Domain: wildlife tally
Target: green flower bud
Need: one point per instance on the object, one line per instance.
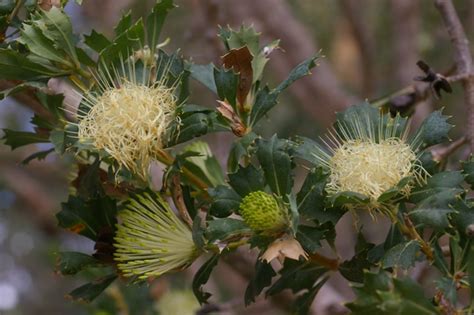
(262, 213)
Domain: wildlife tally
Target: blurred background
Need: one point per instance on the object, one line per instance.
(371, 48)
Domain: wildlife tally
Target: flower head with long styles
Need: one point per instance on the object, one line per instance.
(370, 153)
(151, 240)
(129, 112)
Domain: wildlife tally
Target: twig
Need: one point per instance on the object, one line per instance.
(409, 230)
(462, 57)
(178, 200)
(441, 153)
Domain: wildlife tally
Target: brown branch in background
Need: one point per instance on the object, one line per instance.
(442, 153)
(355, 14)
(320, 94)
(462, 57)
(31, 191)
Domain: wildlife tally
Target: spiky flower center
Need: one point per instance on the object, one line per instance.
(128, 122)
(368, 167)
(262, 212)
(151, 240)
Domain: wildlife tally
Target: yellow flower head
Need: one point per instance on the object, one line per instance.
(151, 240)
(369, 155)
(129, 114)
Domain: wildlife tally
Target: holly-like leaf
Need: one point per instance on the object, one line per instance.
(88, 292)
(434, 210)
(16, 139)
(70, 263)
(303, 303)
(40, 155)
(87, 217)
(247, 179)
(241, 148)
(155, 21)
(226, 84)
(201, 277)
(204, 74)
(52, 102)
(463, 219)
(381, 294)
(58, 28)
(240, 60)
(353, 269)
(296, 276)
(223, 229)
(348, 197)
(14, 66)
(434, 129)
(225, 201)
(264, 101)
(402, 255)
(96, 41)
(276, 164)
(261, 279)
(310, 237)
(204, 165)
(312, 194)
(301, 70)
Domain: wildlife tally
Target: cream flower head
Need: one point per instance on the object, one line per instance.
(369, 154)
(129, 113)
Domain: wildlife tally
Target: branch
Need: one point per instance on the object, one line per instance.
(354, 13)
(441, 153)
(462, 57)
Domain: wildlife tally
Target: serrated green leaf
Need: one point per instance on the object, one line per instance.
(297, 276)
(204, 165)
(463, 219)
(96, 41)
(123, 45)
(241, 148)
(124, 24)
(261, 279)
(202, 276)
(16, 139)
(303, 303)
(434, 210)
(348, 197)
(14, 66)
(191, 125)
(155, 21)
(447, 287)
(247, 179)
(205, 75)
(226, 84)
(264, 101)
(223, 229)
(40, 45)
(434, 130)
(353, 269)
(70, 263)
(301, 70)
(310, 237)
(312, 194)
(88, 292)
(276, 165)
(52, 102)
(87, 218)
(225, 201)
(59, 31)
(402, 255)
